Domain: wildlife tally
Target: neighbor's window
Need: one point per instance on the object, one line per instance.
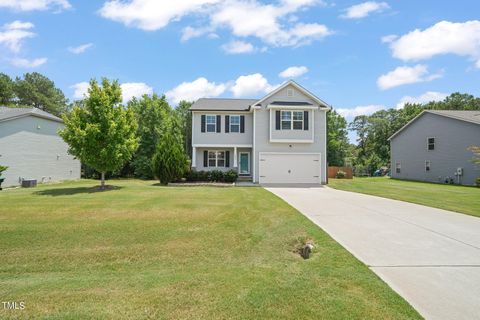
(216, 158)
(286, 120)
(211, 121)
(234, 123)
(398, 167)
(292, 120)
(431, 144)
(427, 165)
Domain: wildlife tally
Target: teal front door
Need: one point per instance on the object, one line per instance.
(244, 163)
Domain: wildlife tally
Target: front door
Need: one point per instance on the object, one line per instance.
(244, 162)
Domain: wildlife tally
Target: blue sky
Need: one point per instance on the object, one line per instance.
(358, 56)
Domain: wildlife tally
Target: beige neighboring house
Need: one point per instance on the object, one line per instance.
(280, 138)
(32, 149)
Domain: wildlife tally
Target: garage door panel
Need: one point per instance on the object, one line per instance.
(289, 168)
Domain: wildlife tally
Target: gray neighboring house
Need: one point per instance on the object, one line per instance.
(32, 149)
(280, 138)
(433, 147)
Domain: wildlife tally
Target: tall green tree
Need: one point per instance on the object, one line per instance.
(36, 90)
(170, 162)
(184, 115)
(102, 133)
(150, 113)
(337, 139)
(7, 92)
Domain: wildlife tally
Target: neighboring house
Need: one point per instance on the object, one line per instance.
(280, 138)
(434, 147)
(32, 149)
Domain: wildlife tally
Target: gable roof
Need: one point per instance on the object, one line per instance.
(301, 89)
(214, 104)
(472, 116)
(7, 113)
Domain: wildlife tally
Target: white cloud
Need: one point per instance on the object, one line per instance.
(251, 85)
(32, 5)
(264, 21)
(271, 23)
(444, 37)
(191, 91)
(13, 34)
(423, 98)
(129, 90)
(134, 89)
(26, 63)
(81, 48)
(406, 75)
(293, 72)
(362, 10)
(238, 47)
(80, 90)
(390, 38)
(151, 15)
(360, 111)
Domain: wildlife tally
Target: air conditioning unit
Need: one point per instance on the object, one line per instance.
(29, 183)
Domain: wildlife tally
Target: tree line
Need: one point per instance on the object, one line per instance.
(155, 122)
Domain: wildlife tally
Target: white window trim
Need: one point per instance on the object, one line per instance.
(291, 120)
(434, 143)
(230, 123)
(216, 158)
(206, 123)
(429, 165)
(398, 166)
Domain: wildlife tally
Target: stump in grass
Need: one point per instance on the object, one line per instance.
(307, 250)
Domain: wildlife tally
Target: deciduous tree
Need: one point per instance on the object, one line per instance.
(102, 133)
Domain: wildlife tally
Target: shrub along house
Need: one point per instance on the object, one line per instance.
(434, 146)
(32, 149)
(280, 138)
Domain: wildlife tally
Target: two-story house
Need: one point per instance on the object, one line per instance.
(434, 147)
(280, 138)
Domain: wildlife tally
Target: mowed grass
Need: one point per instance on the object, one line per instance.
(449, 197)
(149, 252)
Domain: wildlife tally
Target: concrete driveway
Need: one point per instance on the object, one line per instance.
(431, 257)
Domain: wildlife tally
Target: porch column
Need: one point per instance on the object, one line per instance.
(235, 164)
(194, 157)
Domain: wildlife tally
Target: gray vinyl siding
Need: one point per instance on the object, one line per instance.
(200, 156)
(452, 138)
(263, 120)
(221, 138)
(32, 149)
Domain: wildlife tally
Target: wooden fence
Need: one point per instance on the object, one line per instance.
(332, 171)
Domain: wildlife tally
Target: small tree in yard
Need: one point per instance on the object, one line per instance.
(170, 162)
(101, 132)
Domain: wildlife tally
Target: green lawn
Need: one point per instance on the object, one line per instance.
(149, 252)
(449, 197)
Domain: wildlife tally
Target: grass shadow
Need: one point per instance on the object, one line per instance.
(73, 191)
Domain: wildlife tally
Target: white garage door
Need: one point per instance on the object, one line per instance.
(289, 167)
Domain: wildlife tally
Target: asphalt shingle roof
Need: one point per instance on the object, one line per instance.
(7, 113)
(223, 104)
(467, 115)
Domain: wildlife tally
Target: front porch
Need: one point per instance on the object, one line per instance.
(224, 158)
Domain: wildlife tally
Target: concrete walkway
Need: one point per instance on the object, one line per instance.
(431, 257)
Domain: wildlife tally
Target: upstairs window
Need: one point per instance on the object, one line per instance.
(292, 120)
(286, 120)
(211, 122)
(297, 120)
(234, 123)
(430, 144)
